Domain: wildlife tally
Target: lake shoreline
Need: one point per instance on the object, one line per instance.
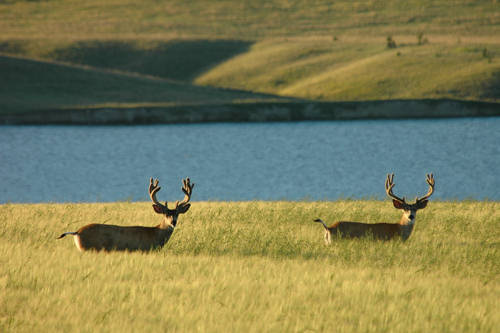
(258, 112)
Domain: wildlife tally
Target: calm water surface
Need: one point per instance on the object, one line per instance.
(266, 161)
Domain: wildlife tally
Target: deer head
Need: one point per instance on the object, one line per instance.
(409, 210)
(171, 215)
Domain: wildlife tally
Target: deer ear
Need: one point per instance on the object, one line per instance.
(183, 208)
(158, 209)
(422, 204)
(397, 204)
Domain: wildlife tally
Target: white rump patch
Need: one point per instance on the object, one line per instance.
(78, 243)
(328, 237)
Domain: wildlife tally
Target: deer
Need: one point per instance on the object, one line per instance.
(382, 231)
(108, 237)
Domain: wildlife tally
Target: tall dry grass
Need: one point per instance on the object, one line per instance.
(254, 267)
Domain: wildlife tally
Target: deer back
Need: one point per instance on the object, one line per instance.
(384, 231)
(111, 237)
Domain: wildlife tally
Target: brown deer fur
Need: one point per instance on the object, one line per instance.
(382, 231)
(137, 238)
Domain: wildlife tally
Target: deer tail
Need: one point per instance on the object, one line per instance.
(323, 223)
(67, 233)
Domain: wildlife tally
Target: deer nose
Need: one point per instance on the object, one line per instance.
(411, 216)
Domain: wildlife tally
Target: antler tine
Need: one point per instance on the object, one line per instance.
(187, 188)
(430, 181)
(153, 189)
(388, 188)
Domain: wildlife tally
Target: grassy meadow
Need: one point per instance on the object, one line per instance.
(64, 54)
(252, 267)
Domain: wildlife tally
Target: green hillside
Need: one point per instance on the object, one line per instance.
(59, 54)
(29, 85)
(247, 20)
(333, 70)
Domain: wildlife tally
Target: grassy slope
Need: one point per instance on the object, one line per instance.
(336, 70)
(276, 47)
(29, 85)
(252, 20)
(253, 267)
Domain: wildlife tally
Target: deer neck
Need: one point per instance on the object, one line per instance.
(164, 231)
(167, 223)
(407, 223)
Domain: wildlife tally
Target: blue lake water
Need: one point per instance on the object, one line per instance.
(247, 161)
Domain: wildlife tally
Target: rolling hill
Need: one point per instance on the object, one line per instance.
(59, 55)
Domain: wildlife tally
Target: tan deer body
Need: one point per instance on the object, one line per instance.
(119, 238)
(134, 238)
(347, 229)
(382, 231)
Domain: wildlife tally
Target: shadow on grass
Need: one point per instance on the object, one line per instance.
(492, 87)
(180, 60)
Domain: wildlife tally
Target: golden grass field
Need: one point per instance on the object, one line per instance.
(252, 267)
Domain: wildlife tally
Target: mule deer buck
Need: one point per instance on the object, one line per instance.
(137, 238)
(382, 231)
